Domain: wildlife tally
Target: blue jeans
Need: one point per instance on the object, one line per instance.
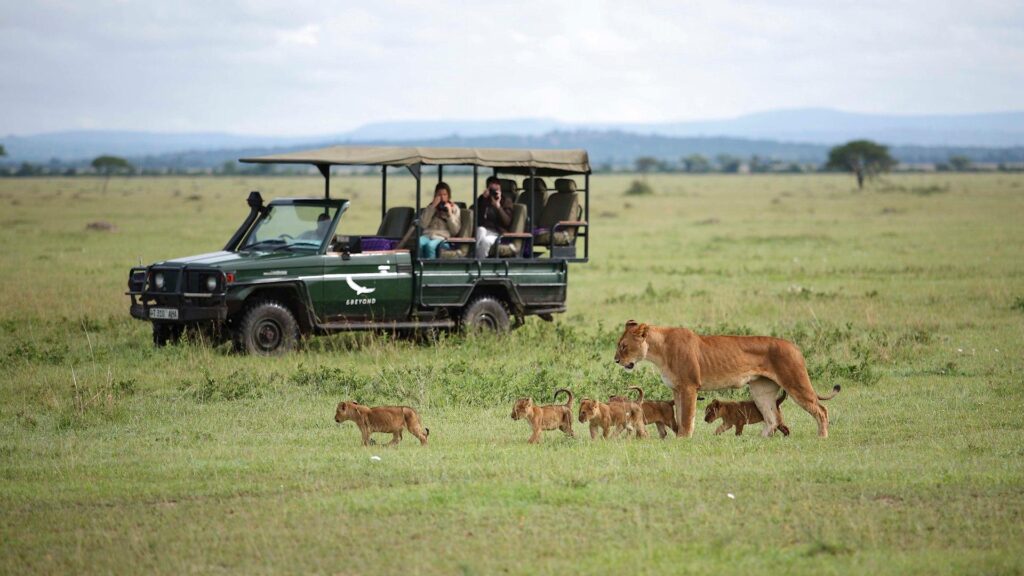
(429, 246)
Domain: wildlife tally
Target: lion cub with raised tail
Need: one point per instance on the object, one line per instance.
(548, 417)
(388, 419)
(658, 412)
(623, 414)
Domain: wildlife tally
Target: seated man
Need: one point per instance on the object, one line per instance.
(493, 216)
(323, 222)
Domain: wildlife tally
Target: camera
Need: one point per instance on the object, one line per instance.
(443, 206)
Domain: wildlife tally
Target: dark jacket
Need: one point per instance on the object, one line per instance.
(492, 218)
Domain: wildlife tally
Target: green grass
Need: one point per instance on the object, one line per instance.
(118, 457)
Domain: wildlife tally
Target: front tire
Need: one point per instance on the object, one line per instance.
(164, 334)
(486, 314)
(267, 329)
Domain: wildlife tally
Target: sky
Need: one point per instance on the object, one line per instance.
(317, 67)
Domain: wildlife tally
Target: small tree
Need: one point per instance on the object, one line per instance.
(108, 165)
(728, 163)
(960, 163)
(3, 151)
(696, 163)
(864, 158)
(645, 164)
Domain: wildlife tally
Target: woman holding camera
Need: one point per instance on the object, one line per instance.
(440, 221)
(493, 216)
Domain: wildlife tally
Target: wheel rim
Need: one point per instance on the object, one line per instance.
(267, 335)
(487, 321)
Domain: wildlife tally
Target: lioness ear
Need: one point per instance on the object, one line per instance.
(631, 323)
(643, 330)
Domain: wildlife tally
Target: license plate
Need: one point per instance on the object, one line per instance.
(163, 313)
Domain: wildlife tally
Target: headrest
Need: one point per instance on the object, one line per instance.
(565, 185)
(540, 184)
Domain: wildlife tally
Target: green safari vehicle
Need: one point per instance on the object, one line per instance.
(293, 269)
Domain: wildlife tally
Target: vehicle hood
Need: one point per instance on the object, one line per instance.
(223, 258)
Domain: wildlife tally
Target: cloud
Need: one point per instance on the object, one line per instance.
(311, 67)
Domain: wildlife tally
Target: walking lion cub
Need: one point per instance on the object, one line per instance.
(387, 419)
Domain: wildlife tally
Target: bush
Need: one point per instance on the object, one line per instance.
(639, 188)
(236, 386)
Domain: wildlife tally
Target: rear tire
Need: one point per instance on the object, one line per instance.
(486, 314)
(267, 329)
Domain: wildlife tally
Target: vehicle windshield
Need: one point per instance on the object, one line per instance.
(289, 226)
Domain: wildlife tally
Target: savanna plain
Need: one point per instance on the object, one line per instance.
(119, 457)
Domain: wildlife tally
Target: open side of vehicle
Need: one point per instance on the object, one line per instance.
(287, 272)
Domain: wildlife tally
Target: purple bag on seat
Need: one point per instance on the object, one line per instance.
(377, 244)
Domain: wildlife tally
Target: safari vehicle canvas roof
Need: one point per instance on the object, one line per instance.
(542, 162)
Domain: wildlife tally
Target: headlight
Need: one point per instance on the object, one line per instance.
(211, 283)
(158, 281)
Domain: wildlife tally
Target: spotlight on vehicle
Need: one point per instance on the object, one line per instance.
(158, 281)
(211, 283)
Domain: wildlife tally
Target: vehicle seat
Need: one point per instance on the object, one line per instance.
(563, 205)
(537, 200)
(396, 221)
(513, 247)
(460, 249)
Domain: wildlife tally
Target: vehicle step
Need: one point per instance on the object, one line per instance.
(386, 325)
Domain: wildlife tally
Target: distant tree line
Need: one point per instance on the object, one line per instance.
(720, 163)
(863, 158)
(109, 165)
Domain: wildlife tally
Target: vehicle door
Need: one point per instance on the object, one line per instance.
(367, 287)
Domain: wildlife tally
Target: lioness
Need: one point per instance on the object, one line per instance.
(658, 412)
(622, 414)
(389, 419)
(548, 417)
(689, 362)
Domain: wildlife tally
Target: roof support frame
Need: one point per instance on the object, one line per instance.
(325, 169)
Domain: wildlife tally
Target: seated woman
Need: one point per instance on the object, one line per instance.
(440, 220)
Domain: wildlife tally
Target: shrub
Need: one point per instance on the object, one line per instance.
(236, 386)
(639, 188)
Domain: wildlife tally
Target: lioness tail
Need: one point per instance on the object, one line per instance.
(781, 400)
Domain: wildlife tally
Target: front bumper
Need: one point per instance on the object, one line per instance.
(180, 299)
(215, 310)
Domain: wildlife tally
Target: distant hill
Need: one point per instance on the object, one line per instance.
(792, 135)
(807, 125)
(607, 148)
(87, 144)
(825, 126)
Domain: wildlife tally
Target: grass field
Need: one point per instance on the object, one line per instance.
(119, 457)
